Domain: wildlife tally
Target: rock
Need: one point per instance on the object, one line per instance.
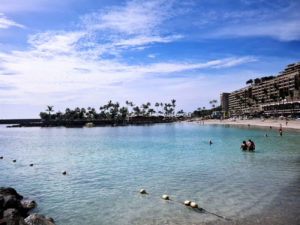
(50, 219)
(64, 172)
(143, 191)
(187, 202)
(12, 217)
(28, 205)
(11, 213)
(194, 205)
(1, 202)
(10, 191)
(165, 197)
(37, 219)
(11, 201)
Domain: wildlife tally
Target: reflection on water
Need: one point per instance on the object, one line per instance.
(107, 166)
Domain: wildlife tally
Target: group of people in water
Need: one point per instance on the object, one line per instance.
(250, 146)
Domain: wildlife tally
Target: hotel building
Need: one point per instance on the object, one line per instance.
(272, 95)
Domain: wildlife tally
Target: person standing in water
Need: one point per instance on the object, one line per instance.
(244, 146)
(251, 145)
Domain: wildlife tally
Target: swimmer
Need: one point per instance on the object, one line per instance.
(244, 146)
(266, 135)
(210, 142)
(251, 146)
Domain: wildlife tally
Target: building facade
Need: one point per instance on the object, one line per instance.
(269, 95)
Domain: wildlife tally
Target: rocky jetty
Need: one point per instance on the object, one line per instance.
(14, 211)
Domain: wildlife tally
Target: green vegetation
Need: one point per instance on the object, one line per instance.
(203, 112)
(113, 111)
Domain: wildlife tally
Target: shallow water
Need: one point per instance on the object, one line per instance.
(107, 166)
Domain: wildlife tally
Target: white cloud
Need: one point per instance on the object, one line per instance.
(152, 56)
(6, 23)
(135, 18)
(144, 40)
(65, 68)
(279, 20)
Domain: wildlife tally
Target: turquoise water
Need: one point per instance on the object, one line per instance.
(107, 166)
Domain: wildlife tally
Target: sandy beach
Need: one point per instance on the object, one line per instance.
(267, 123)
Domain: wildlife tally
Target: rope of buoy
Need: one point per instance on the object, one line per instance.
(197, 209)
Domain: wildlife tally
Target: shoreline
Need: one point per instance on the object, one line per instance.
(293, 125)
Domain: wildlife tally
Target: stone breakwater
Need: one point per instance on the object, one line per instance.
(14, 211)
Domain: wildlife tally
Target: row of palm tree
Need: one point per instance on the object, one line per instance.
(203, 112)
(113, 111)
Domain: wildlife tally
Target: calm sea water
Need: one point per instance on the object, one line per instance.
(107, 166)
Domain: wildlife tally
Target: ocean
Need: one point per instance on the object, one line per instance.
(107, 166)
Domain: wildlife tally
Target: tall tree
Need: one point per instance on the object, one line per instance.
(49, 110)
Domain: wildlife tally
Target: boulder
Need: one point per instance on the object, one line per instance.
(11, 213)
(28, 205)
(11, 201)
(37, 219)
(12, 217)
(10, 191)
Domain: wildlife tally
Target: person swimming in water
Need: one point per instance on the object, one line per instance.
(244, 146)
(210, 142)
(251, 145)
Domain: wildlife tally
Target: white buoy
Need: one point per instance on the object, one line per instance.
(194, 205)
(143, 191)
(187, 202)
(64, 172)
(165, 197)
(31, 164)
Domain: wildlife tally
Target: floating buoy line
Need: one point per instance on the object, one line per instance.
(165, 197)
(191, 204)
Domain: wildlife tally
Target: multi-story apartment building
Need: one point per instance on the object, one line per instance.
(269, 95)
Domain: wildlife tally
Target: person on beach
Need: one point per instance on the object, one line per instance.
(251, 145)
(244, 146)
(280, 130)
(286, 122)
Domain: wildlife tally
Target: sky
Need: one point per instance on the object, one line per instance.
(80, 53)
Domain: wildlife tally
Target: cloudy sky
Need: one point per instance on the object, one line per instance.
(85, 52)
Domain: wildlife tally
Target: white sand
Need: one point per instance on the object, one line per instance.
(292, 124)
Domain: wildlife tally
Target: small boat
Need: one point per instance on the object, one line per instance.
(89, 125)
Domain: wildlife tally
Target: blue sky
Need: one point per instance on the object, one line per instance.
(83, 53)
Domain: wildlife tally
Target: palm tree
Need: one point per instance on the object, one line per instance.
(136, 110)
(151, 111)
(173, 105)
(157, 105)
(123, 112)
(49, 110)
(144, 107)
(213, 102)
